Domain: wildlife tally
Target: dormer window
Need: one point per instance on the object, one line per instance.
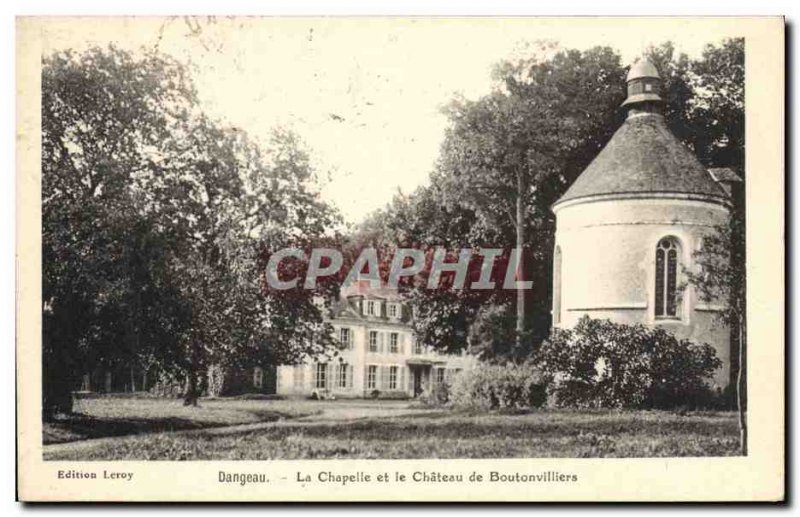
(393, 310)
(370, 308)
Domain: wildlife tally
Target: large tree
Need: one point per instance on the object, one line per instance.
(716, 117)
(154, 221)
(505, 159)
(239, 203)
(543, 122)
(508, 155)
(104, 115)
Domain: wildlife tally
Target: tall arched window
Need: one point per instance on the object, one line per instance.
(667, 253)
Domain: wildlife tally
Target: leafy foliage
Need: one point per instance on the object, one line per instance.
(721, 275)
(216, 380)
(547, 116)
(524, 142)
(107, 289)
(154, 219)
(492, 337)
(508, 386)
(601, 364)
(437, 395)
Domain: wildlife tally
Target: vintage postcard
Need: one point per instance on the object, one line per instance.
(400, 259)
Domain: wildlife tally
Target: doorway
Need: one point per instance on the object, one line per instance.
(417, 373)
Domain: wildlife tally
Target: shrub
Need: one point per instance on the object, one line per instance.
(601, 364)
(437, 396)
(498, 387)
(216, 380)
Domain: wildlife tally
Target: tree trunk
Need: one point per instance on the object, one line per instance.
(58, 365)
(192, 381)
(522, 262)
(56, 395)
(191, 396)
(741, 386)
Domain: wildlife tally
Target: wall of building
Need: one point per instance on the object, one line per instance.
(607, 268)
(302, 379)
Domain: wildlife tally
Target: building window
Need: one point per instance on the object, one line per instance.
(393, 338)
(345, 337)
(321, 377)
(373, 341)
(393, 377)
(393, 310)
(341, 377)
(258, 377)
(372, 373)
(417, 348)
(666, 305)
(557, 286)
(440, 376)
(371, 308)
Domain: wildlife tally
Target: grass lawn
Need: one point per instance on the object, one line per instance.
(120, 415)
(391, 429)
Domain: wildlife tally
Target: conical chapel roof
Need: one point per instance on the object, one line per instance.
(643, 156)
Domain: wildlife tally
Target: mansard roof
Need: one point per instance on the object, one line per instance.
(362, 288)
(723, 174)
(347, 306)
(643, 157)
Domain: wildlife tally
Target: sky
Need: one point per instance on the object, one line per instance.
(365, 94)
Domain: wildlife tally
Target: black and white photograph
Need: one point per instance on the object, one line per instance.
(376, 238)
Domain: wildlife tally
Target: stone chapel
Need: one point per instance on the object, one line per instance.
(627, 228)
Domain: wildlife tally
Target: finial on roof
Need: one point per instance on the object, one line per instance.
(642, 68)
(644, 84)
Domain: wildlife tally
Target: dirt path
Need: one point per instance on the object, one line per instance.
(338, 411)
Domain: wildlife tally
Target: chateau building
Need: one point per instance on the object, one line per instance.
(381, 356)
(627, 228)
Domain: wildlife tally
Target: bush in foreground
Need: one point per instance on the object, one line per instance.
(601, 364)
(498, 387)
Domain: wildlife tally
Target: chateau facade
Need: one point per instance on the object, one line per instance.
(381, 356)
(627, 229)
